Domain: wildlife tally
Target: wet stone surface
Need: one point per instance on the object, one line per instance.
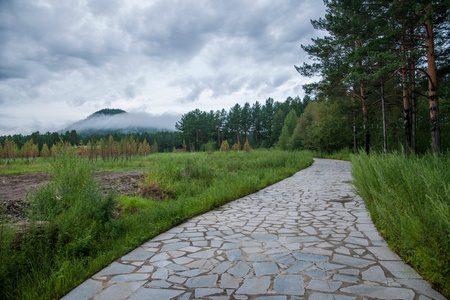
(306, 237)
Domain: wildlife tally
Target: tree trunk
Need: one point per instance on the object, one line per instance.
(237, 136)
(218, 136)
(432, 88)
(365, 119)
(413, 97)
(384, 118)
(406, 111)
(355, 132)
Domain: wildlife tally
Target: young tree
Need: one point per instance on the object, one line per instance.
(290, 122)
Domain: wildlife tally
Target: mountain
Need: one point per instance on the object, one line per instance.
(110, 121)
(108, 112)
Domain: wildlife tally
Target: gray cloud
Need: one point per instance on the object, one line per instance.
(80, 56)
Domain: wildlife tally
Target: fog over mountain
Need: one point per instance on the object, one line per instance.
(125, 122)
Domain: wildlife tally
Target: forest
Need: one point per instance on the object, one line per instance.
(385, 85)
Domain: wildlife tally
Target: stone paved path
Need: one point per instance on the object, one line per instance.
(307, 237)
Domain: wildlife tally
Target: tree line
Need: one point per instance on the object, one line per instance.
(113, 146)
(258, 124)
(385, 74)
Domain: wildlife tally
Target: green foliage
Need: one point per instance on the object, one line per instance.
(69, 219)
(343, 154)
(409, 201)
(74, 232)
(290, 122)
(380, 43)
(209, 147)
(320, 128)
(134, 204)
(225, 147)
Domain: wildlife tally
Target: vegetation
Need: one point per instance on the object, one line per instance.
(54, 253)
(409, 201)
(385, 77)
(108, 112)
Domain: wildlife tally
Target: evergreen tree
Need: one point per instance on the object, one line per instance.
(234, 121)
(288, 128)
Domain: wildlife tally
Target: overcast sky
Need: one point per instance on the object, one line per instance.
(61, 61)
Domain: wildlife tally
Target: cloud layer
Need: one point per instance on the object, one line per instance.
(62, 60)
(125, 121)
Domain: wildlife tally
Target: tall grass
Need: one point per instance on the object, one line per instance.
(409, 200)
(76, 230)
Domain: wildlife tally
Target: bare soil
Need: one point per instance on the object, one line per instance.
(15, 188)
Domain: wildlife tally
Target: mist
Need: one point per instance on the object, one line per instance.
(124, 121)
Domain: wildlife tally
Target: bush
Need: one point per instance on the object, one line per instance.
(225, 147)
(69, 219)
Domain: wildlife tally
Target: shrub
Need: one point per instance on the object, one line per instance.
(247, 146)
(225, 147)
(236, 147)
(73, 203)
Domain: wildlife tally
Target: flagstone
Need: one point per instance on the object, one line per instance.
(254, 286)
(289, 284)
(287, 241)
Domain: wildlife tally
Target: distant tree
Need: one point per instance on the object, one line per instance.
(247, 146)
(220, 120)
(225, 147)
(55, 150)
(246, 119)
(257, 123)
(267, 121)
(10, 150)
(288, 128)
(234, 121)
(278, 120)
(154, 148)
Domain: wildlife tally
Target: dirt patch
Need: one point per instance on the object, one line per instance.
(15, 188)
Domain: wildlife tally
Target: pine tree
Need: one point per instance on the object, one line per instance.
(290, 122)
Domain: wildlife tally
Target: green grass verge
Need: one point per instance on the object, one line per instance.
(75, 230)
(409, 201)
(343, 154)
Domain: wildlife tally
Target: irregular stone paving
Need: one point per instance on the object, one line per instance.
(306, 237)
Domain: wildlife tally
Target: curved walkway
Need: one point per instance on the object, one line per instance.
(306, 237)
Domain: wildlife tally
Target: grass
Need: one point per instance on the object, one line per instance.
(75, 230)
(343, 154)
(409, 201)
(19, 166)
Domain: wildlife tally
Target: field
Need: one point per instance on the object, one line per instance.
(74, 223)
(408, 198)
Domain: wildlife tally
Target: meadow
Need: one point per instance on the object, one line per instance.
(75, 229)
(408, 198)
